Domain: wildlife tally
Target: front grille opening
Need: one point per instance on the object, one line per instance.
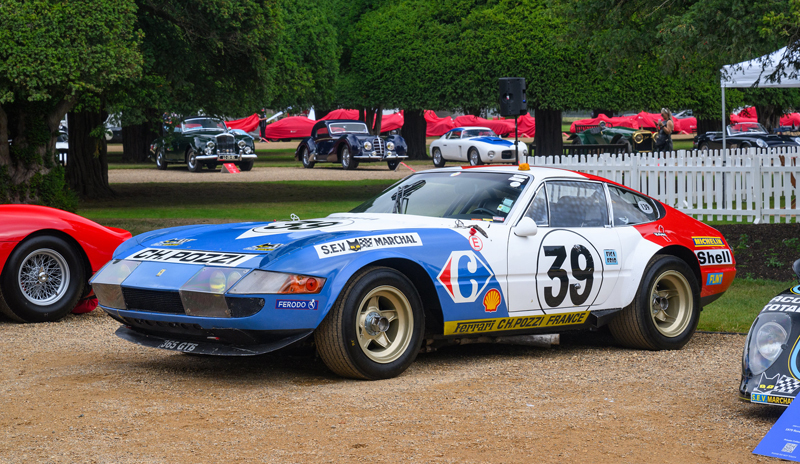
(154, 301)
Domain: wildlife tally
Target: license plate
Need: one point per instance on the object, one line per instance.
(173, 345)
(228, 157)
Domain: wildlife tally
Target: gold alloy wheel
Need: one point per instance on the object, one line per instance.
(671, 303)
(384, 324)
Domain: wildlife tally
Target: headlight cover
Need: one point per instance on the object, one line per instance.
(266, 282)
(242, 143)
(107, 282)
(390, 145)
(766, 341)
(796, 140)
(210, 144)
(367, 146)
(204, 294)
(761, 143)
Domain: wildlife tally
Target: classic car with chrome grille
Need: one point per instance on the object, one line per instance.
(443, 257)
(632, 140)
(744, 135)
(204, 141)
(349, 142)
(476, 145)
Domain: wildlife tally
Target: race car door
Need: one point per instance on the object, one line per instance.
(573, 261)
(450, 150)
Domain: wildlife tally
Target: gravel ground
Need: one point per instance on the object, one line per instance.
(331, 172)
(73, 392)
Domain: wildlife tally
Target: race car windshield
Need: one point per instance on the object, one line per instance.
(746, 128)
(486, 196)
(202, 123)
(478, 133)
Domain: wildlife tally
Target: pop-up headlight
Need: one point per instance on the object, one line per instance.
(204, 294)
(106, 283)
(265, 282)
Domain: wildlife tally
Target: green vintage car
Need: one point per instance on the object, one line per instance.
(604, 134)
(204, 141)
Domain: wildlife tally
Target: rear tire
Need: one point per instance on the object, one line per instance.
(438, 159)
(374, 330)
(161, 163)
(665, 310)
(42, 280)
(305, 157)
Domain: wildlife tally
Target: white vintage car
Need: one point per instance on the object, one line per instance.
(478, 145)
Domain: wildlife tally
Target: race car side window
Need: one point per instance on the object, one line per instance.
(631, 208)
(321, 132)
(538, 209)
(577, 204)
(455, 135)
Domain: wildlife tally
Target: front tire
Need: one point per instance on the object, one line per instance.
(665, 311)
(161, 163)
(42, 281)
(191, 161)
(348, 163)
(375, 328)
(438, 159)
(474, 157)
(305, 157)
(246, 165)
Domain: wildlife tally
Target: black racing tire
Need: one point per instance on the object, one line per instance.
(346, 158)
(191, 161)
(42, 280)
(393, 164)
(246, 165)
(305, 158)
(474, 157)
(703, 147)
(375, 328)
(665, 310)
(161, 162)
(438, 159)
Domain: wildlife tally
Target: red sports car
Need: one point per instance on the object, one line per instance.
(47, 256)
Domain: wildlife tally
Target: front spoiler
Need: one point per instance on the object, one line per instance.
(207, 348)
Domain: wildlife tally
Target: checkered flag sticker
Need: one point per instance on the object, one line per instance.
(365, 242)
(786, 385)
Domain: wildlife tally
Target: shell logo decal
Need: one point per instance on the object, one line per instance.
(491, 301)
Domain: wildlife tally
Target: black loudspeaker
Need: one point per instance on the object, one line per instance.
(512, 96)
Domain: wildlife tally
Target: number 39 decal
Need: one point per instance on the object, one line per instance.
(567, 276)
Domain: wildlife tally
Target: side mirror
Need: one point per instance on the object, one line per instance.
(796, 269)
(527, 228)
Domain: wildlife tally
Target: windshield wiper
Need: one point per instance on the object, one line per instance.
(402, 194)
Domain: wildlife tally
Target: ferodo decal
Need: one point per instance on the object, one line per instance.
(373, 242)
(464, 276)
(174, 242)
(707, 241)
(293, 226)
(514, 323)
(191, 257)
(492, 300)
(570, 271)
(296, 304)
(714, 257)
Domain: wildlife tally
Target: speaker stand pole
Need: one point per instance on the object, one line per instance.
(516, 140)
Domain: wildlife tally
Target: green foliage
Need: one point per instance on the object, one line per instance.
(51, 190)
(736, 310)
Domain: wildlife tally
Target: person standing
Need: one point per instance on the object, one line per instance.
(262, 124)
(665, 129)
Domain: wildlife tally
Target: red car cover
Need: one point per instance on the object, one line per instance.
(341, 114)
(293, 127)
(749, 114)
(437, 126)
(391, 122)
(248, 124)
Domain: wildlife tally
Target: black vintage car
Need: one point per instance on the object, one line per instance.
(744, 135)
(349, 142)
(204, 141)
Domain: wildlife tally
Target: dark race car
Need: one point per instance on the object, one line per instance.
(204, 141)
(349, 142)
(744, 135)
(770, 368)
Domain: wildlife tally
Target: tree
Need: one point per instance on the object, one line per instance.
(51, 54)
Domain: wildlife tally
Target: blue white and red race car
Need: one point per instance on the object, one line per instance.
(447, 254)
(476, 145)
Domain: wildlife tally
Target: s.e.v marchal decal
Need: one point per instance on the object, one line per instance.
(372, 242)
(191, 257)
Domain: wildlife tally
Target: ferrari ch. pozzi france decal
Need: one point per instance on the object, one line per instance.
(294, 226)
(191, 257)
(372, 242)
(514, 323)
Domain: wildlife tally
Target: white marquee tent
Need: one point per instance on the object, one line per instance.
(754, 73)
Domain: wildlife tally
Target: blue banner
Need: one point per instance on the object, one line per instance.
(783, 439)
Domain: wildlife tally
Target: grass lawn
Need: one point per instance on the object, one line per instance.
(736, 310)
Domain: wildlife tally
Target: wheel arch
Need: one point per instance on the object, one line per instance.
(87, 265)
(308, 144)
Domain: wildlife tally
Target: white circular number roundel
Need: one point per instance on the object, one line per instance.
(284, 227)
(569, 271)
(645, 207)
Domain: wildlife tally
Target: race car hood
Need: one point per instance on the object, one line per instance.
(494, 141)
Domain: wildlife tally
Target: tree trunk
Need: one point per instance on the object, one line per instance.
(378, 119)
(413, 131)
(136, 139)
(362, 115)
(708, 125)
(87, 163)
(769, 116)
(548, 132)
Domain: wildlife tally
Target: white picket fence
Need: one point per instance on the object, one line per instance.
(752, 184)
